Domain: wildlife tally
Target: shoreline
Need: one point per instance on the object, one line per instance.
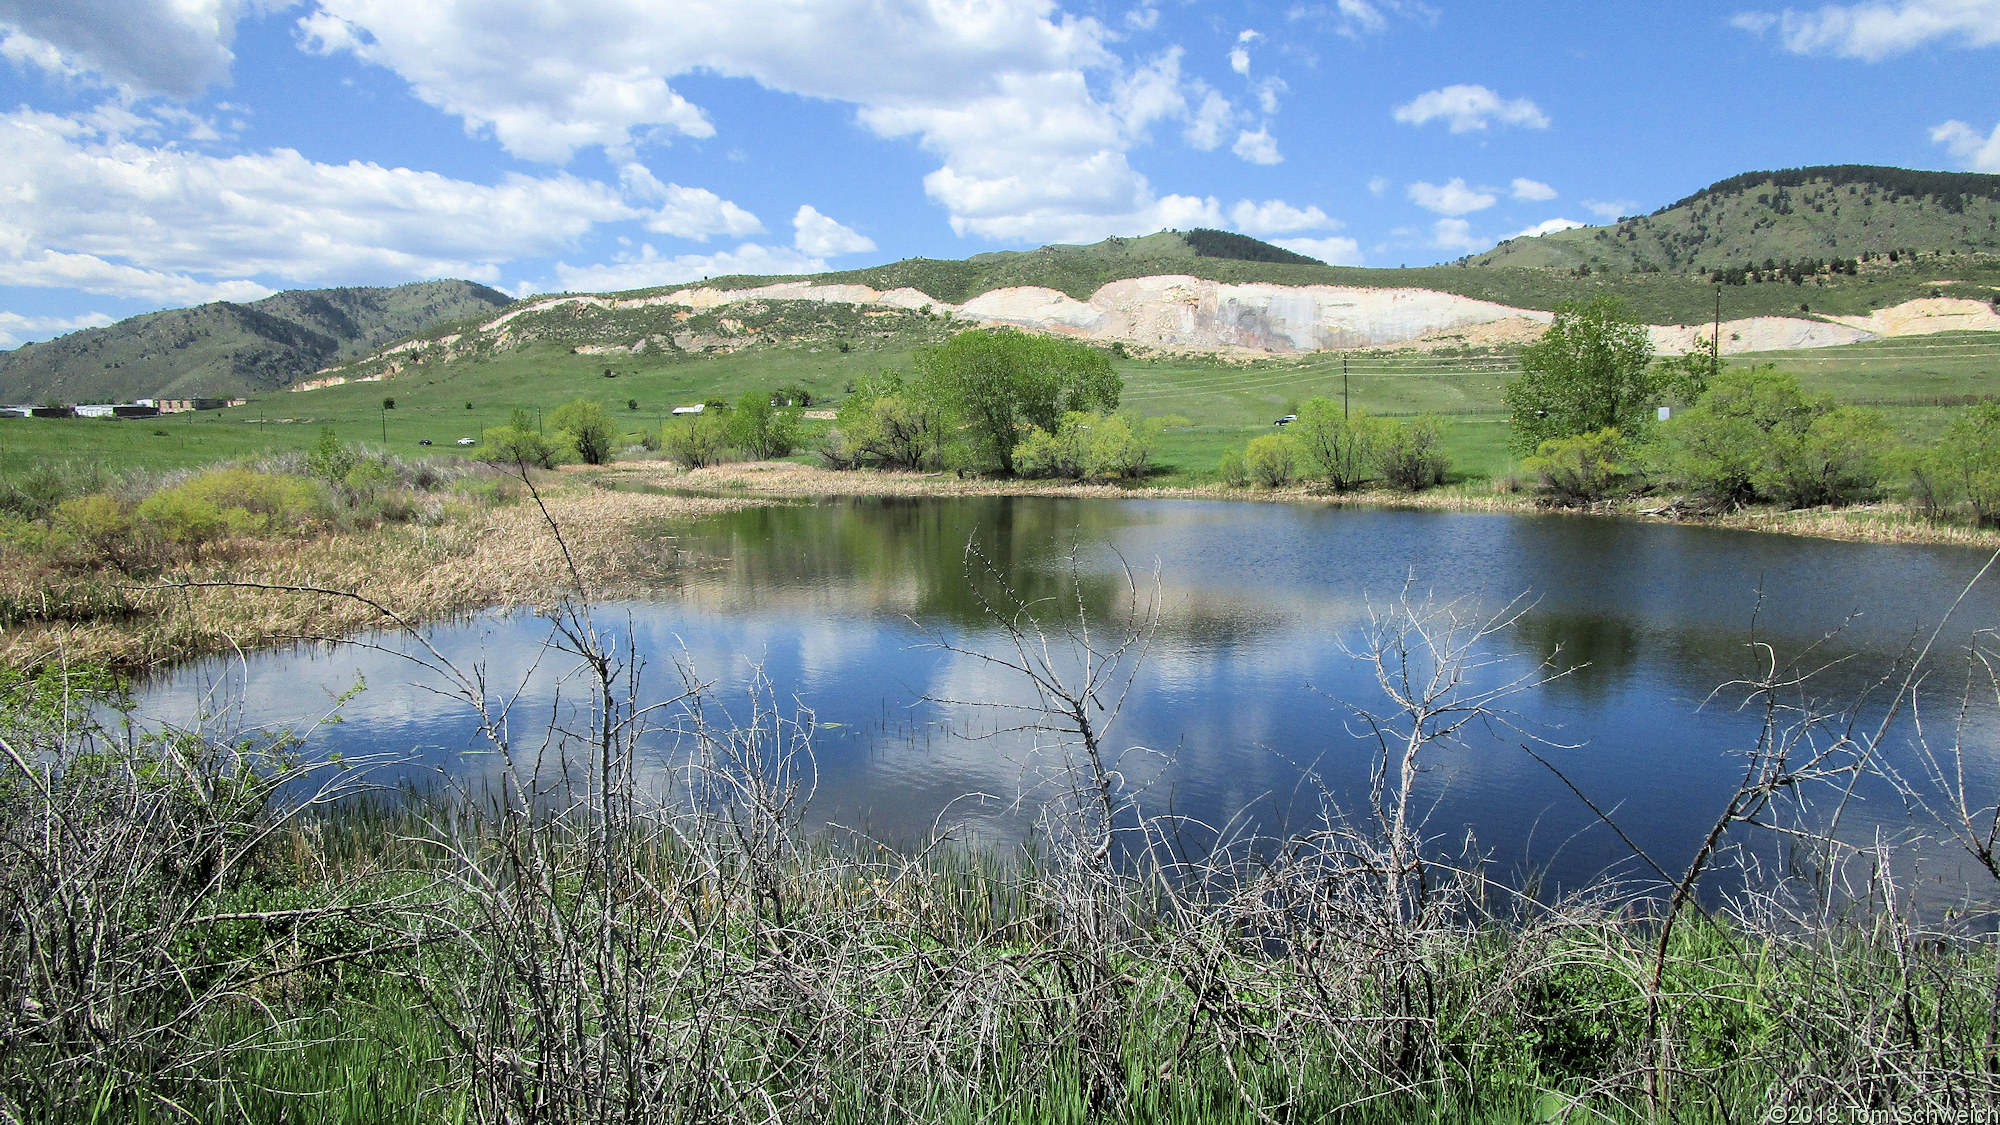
(786, 480)
(505, 558)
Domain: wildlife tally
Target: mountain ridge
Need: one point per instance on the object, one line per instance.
(229, 348)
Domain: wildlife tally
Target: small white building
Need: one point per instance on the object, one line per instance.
(695, 409)
(94, 410)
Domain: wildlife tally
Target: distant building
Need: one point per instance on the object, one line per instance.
(51, 412)
(94, 410)
(695, 409)
(183, 405)
(144, 408)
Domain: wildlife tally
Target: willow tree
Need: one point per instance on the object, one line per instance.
(1592, 370)
(996, 384)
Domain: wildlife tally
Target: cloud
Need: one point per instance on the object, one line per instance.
(1610, 209)
(1143, 18)
(174, 47)
(1358, 18)
(1275, 216)
(1258, 147)
(16, 329)
(1532, 191)
(1209, 124)
(1029, 111)
(686, 212)
(1378, 185)
(1876, 31)
(1456, 234)
(1551, 226)
(1337, 251)
(1979, 154)
(1471, 109)
(821, 237)
(1239, 61)
(1454, 198)
(649, 268)
(91, 209)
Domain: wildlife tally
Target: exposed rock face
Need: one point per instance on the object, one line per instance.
(1189, 314)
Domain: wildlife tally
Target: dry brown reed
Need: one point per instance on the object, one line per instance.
(487, 556)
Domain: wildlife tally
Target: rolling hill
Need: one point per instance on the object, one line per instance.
(227, 348)
(1788, 217)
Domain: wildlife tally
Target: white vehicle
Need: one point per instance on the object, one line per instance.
(468, 441)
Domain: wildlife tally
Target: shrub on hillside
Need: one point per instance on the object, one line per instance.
(520, 442)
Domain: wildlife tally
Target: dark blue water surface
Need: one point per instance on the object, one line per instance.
(1246, 685)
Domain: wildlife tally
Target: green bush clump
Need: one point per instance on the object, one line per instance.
(586, 429)
(1337, 448)
(1582, 469)
(1756, 435)
(520, 442)
(1272, 460)
(1411, 454)
(1962, 469)
(695, 441)
(1089, 446)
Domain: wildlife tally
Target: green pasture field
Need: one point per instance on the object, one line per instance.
(1919, 383)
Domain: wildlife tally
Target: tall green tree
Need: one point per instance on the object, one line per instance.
(1592, 370)
(587, 428)
(995, 384)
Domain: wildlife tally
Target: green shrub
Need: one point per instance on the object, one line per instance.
(1411, 454)
(99, 524)
(1962, 468)
(586, 429)
(761, 430)
(1335, 448)
(693, 441)
(329, 460)
(1272, 460)
(1755, 434)
(255, 503)
(515, 445)
(1582, 469)
(1232, 469)
(181, 520)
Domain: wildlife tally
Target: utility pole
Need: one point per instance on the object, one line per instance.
(1343, 387)
(385, 427)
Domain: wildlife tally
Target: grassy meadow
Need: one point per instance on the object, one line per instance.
(1919, 383)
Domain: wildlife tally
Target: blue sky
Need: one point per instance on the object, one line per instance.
(161, 153)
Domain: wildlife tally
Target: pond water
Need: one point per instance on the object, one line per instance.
(1247, 690)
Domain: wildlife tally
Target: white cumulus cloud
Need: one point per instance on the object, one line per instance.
(172, 47)
(1275, 216)
(649, 268)
(1454, 198)
(1550, 226)
(1610, 209)
(1532, 191)
(16, 329)
(1470, 109)
(1210, 123)
(1258, 147)
(685, 212)
(1358, 18)
(1979, 153)
(1029, 110)
(1337, 251)
(822, 237)
(93, 210)
(1456, 234)
(1377, 185)
(1876, 31)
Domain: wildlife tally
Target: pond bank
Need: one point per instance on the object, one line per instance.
(506, 556)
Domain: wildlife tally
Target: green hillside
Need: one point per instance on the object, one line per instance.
(1802, 215)
(227, 348)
